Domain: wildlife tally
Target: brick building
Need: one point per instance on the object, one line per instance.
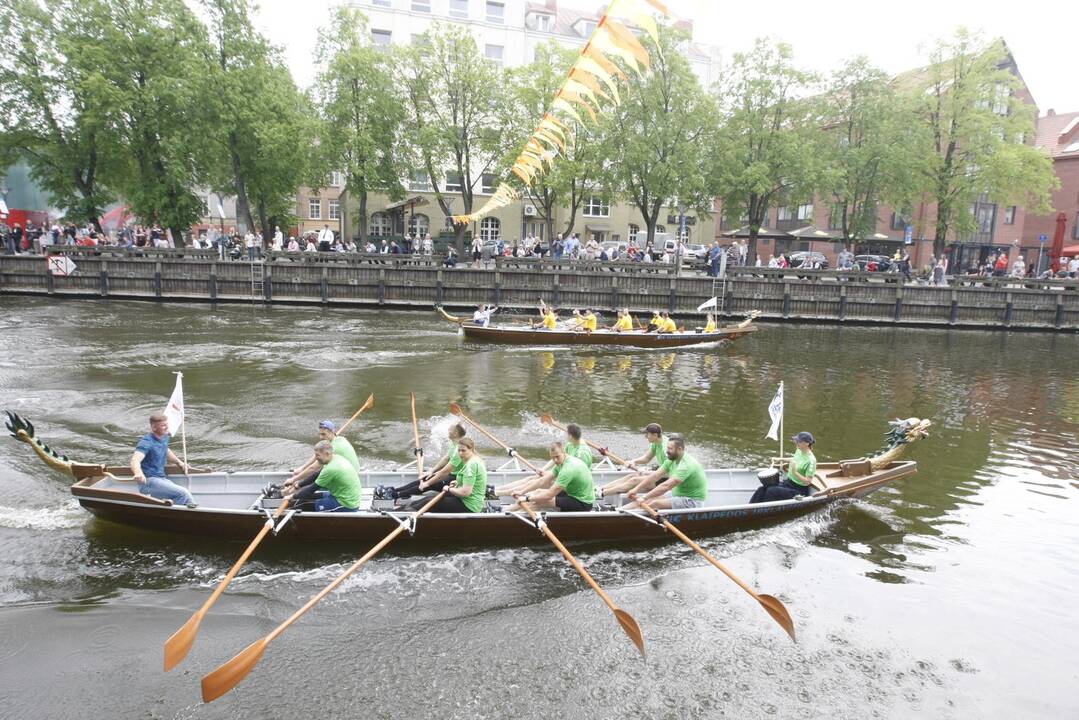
(1058, 135)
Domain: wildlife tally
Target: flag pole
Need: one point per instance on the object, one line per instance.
(782, 413)
(183, 433)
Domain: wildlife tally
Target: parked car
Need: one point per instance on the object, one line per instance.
(873, 263)
(813, 259)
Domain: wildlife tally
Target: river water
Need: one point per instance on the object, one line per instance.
(947, 595)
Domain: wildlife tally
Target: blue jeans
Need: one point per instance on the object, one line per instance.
(165, 489)
(329, 503)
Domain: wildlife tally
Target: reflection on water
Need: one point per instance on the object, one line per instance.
(875, 586)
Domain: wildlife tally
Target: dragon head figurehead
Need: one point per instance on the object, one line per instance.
(23, 430)
(900, 434)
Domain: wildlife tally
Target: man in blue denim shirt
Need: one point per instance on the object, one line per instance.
(148, 464)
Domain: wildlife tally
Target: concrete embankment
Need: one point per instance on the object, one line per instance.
(415, 282)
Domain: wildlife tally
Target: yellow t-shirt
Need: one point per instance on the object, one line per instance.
(624, 323)
(667, 325)
(549, 320)
(589, 323)
(710, 326)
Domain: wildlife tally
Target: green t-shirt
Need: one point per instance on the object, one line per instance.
(340, 478)
(582, 452)
(473, 473)
(455, 461)
(694, 483)
(343, 447)
(575, 478)
(805, 463)
(659, 450)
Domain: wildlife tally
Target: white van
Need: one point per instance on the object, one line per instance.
(664, 243)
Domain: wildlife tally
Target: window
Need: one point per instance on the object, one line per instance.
(419, 224)
(1001, 94)
(899, 222)
(419, 181)
(380, 224)
(314, 208)
(490, 229)
(381, 37)
(487, 184)
(543, 23)
(1009, 215)
(784, 213)
(337, 178)
(381, 3)
(633, 230)
(805, 212)
(459, 9)
(496, 12)
(494, 52)
(335, 209)
(453, 182)
(586, 27)
(661, 228)
(595, 206)
(421, 6)
(835, 218)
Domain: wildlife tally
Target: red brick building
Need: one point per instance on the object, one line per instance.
(1058, 135)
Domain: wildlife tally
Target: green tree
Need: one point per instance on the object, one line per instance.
(530, 90)
(870, 153)
(260, 119)
(456, 97)
(979, 131)
(54, 111)
(361, 114)
(656, 136)
(769, 145)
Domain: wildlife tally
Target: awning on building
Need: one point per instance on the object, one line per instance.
(812, 232)
(408, 203)
(598, 228)
(743, 232)
(878, 237)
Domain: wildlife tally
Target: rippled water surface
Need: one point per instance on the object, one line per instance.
(948, 595)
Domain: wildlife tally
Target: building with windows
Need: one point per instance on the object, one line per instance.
(508, 33)
(317, 207)
(1058, 135)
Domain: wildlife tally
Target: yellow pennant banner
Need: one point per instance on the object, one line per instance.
(592, 79)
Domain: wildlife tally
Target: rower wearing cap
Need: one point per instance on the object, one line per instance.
(657, 444)
(800, 471)
(679, 483)
(310, 470)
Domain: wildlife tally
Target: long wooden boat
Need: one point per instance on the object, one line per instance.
(232, 504)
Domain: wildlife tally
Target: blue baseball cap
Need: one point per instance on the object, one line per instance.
(803, 437)
(327, 425)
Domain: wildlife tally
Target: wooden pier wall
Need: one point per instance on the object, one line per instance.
(415, 282)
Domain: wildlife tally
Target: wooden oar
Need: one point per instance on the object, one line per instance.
(627, 621)
(548, 420)
(366, 406)
(177, 646)
(771, 604)
(416, 437)
(229, 675)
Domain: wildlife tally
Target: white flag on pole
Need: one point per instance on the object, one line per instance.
(706, 304)
(775, 411)
(174, 411)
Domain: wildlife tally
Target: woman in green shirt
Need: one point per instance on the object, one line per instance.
(800, 471)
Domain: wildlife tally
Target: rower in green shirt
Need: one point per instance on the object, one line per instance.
(679, 484)
(442, 474)
(337, 476)
(567, 486)
(306, 474)
(467, 491)
(657, 448)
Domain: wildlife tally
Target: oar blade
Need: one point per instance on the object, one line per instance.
(229, 675)
(778, 611)
(546, 419)
(177, 646)
(456, 409)
(630, 626)
(369, 402)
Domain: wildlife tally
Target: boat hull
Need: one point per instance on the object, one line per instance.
(109, 502)
(524, 335)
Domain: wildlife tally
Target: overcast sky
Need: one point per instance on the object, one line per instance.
(895, 36)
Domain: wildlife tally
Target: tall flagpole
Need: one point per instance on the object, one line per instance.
(782, 413)
(183, 434)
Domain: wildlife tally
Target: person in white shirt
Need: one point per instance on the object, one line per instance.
(325, 238)
(369, 247)
(773, 261)
(278, 239)
(482, 316)
(477, 250)
(1019, 267)
(428, 246)
(1073, 266)
(293, 246)
(311, 246)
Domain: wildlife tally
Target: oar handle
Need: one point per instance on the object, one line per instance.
(416, 436)
(355, 566)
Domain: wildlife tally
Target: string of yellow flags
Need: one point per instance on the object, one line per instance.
(592, 79)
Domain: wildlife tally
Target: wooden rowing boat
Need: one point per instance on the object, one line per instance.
(523, 335)
(232, 504)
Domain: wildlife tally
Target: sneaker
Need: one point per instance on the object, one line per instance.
(192, 505)
(380, 492)
(490, 493)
